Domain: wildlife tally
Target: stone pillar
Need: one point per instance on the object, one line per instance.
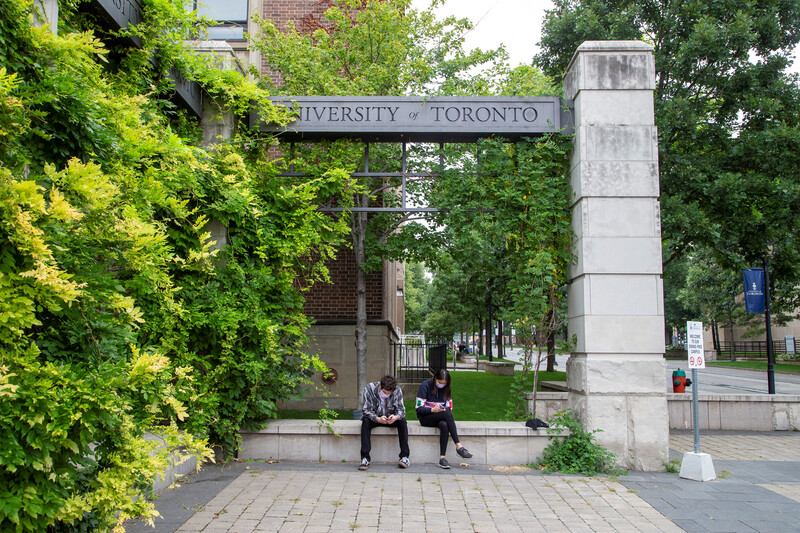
(218, 125)
(45, 13)
(616, 375)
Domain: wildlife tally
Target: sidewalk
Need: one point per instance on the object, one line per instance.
(758, 489)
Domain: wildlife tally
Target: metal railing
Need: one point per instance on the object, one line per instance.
(416, 361)
(749, 348)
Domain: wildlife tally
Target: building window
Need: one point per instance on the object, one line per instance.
(231, 16)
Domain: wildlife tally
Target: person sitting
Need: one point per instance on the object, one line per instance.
(383, 405)
(434, 406)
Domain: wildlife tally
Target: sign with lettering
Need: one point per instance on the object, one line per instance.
(694, 344)
(434, 119)
(753, 289)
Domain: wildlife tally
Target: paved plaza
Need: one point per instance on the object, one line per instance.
(758, 489)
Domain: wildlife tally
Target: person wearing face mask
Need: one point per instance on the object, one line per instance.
(434, 409)
(383, 405)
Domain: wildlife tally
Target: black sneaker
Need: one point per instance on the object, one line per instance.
(364, 464)
(443, 463)
(463, 452)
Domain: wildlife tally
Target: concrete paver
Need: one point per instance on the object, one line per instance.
(758, 489)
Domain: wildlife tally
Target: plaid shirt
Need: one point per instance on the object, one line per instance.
(374, 407)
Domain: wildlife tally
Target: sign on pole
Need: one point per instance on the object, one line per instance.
(694, 344)
(753, 289)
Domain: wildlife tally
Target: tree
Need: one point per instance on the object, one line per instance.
(370, 47)
(417, 289)
(713, 294)
(727, 114)
(514, 200)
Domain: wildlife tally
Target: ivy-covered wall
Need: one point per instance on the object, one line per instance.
(117, 315)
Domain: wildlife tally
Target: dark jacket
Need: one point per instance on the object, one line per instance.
(429, 394)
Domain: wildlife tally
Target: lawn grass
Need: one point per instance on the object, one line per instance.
(757, 365)
(481, 395)
(476, 396)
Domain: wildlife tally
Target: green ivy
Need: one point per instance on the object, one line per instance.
(578, 453)
(118, 318)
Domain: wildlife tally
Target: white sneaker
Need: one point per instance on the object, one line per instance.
(404, 462)
(364, 464)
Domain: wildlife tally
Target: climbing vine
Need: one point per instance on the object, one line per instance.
(125, 332)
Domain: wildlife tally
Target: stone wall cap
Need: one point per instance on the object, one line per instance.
(752, 398)
(353, 427)
(610, 46)
(607, 47)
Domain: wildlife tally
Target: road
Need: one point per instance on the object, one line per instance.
(713, 380)
(722, 380)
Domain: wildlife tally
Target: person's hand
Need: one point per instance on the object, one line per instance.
(392, 419)
(437, 409)
(382, 420)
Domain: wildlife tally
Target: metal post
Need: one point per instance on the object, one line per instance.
(405, 169)
(770, 354)
(489, 331)
(695, 417)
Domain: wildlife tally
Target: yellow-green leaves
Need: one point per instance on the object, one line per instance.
(86, 182)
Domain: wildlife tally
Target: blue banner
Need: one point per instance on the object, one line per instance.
(753, 289)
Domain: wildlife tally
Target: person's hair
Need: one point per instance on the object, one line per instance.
(388, 383)
(440, 374)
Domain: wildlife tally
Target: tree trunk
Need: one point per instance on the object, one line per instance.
(501, 346)
(733, 344)
(480, 335)
(551, 341)
(359, 230)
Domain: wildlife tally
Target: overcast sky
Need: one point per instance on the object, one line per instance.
(515, 23)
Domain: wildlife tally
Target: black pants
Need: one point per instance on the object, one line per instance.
(366, 430)
(447, 426)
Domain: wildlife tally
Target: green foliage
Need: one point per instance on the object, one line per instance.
(119, 317)
(728, 119)
(673, 466)
(326, 418)
(73, 447)
(578, 453)
(527, 80)
(378, 48)
(509, 224)
(416, 291)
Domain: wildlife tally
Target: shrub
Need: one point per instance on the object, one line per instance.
(578, 453)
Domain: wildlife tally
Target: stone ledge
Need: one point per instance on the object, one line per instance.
(553, 386)
(749, 412)
(501, 368)
(493, 443)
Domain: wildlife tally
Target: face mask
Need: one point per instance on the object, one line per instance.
(440, 385)
(383, 395)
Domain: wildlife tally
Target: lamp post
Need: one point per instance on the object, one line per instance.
(770, 354)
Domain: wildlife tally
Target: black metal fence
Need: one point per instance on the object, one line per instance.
(750, 348)
(417, 361)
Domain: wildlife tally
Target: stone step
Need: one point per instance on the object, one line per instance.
(491, 443)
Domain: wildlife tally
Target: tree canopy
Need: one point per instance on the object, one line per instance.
(728, 118)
